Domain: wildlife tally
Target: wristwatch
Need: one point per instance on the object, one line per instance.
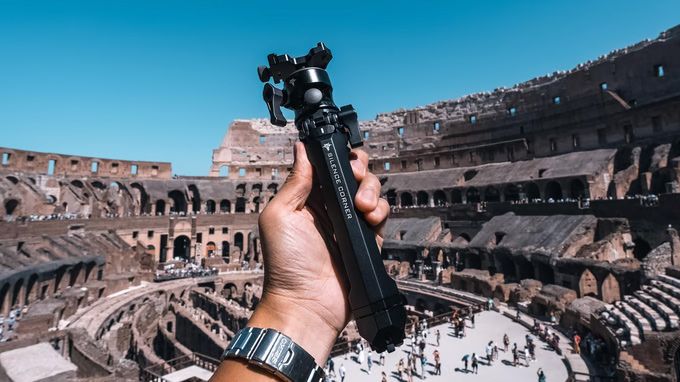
(276, 353)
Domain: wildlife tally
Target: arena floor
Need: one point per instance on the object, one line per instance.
(489, 326)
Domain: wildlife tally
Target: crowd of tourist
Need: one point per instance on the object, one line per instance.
(180, 268)
(9, 324)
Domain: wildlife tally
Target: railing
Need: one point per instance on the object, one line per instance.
(155, 373)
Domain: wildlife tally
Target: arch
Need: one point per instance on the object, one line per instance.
(210, 206)
(491, 194)
(456, 196)
(179, 201)
(77, 183)
(439, 198)
(465, 236)
(16, 292)
(576, 189)
(225, 206)
(29, 288)
(391, 196)
(641, 249)
(511, 193)
(406, 199)
(256, 202)
(138, 189)
(3, 296)
(240, 204)
(546, 274)
(13, 179)
(587, 284)
(224, 170)
(472, 195)
(469, 174)
(241, 189)
(422, 198)
(238, 241)
(182, 247)
(225, 250)
(74, 273)
(98, 185)
(611, 290)
(195, 198)
(273, 188)
(160, 207)
(533, 192)
(11, 206)
(210, 248)
(553, 191)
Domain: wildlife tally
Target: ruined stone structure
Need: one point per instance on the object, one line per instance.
(559, 196)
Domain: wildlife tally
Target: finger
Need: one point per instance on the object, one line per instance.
(358, 159)
(378, 216)
(368, 193)
(296, 189)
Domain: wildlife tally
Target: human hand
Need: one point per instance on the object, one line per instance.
(305, 287)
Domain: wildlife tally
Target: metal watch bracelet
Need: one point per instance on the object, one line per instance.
(276, 353)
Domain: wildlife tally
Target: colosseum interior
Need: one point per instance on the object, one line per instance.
(559, 196)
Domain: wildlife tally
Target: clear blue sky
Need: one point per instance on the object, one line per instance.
(161, 80)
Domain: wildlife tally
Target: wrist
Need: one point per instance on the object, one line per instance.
(303, 326)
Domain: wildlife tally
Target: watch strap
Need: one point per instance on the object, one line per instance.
(275, 352)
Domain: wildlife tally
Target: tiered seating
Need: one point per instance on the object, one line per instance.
(638, 319)
(632, 332)
(663, 307)
(658, 323)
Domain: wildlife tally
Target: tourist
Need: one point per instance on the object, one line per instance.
(382, 359)
(342, 372)
(532, 350)
(494, 353)
(362, 356)
(437, 363)
(475, 363)
(400, 369)
(472, 320)
(553, 319)
(518, 316)
(506, 342)
(438, 336)
(369, 360)
(489, 304)
(577, 343)
(331, 367)
(384, 377)
(515, 355)
(456, 327)
(541, 375)
(527, 356)
(423, 362)
(465, 361)
(409, 374)
(489, 352)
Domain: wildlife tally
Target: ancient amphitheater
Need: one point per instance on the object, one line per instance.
(558, 197)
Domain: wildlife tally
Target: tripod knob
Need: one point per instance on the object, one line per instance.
(274, 98)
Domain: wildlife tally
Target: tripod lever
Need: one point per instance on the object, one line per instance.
(274, 98)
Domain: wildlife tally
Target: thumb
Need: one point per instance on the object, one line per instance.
(294, 192)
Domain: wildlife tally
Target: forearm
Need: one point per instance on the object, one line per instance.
(291, 319)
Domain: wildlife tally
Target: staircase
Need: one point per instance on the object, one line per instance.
(628, 358)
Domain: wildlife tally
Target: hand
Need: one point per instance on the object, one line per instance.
(305, 287)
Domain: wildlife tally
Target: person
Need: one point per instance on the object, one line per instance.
(362, 356)
(489, 304)
(489, 352)
(409, 374)
(527, 356)
(475, 363)
(518, 316)
(438, 336)
(342, 372)
(515, 354)
(506, 342)
(331, 367)
(541, 375)
(384, 377)
(423, 362)
(472, 320)
(532, 350)
(299, 254)
(437, 363)
(465, 361)
(400, 369)
(369, 360)
(577, 343)
(382, 359)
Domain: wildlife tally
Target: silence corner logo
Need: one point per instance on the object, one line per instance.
(327, 146)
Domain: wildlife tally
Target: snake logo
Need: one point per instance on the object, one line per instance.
(327, 146)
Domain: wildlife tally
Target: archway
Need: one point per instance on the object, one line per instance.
(439, 198)
(141, 196)
(511, 193)
(225, 250)
(391, 196)
(225, 206)
(256, 203)
(29, 288)
(240, 204)
(238, 241)
(195, 198)
(210, 248)
(406, 199)
(491, 194)
(11, 206)
(182, 247)
(160, 207)
(610, 289)
(576, 189)
(16, 292)
(179, 202)
(472, 195)
(587, 285)
(533, 193)
(210, 206)
(456, 196)
(553, 191)
(422, 198)
(3, 296)
(641, 249)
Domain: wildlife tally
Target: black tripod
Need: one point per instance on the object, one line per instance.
(326, 131)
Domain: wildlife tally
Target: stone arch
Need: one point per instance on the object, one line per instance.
(182, 247)
(160, 207)
(472, 195)
(225, 250)
(74, 274)
(422, 199)
(641, 249)
(225, 206)
(77, 183)
(587, 284)
(195, 198)
(511, 193)
(210, 206)
(11, 206)
(439, 198)
(553, 190)
(179, 201)
(210, 248)
(391, 196)
(273, 188)
(576, 189)
(611, 291)
(456, 196)
(238, 241)
(3, 296)
(256, 203)
(12, 179)
(406, 199)
(491, 194)
(240, 204)
(16, 292)
(30, 285)
(143, 197)
(533, 191)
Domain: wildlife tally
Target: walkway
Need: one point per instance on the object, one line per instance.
(489, 326)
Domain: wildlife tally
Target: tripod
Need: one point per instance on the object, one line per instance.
(328, 132)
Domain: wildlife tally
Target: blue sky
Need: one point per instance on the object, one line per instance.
(161, 80)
